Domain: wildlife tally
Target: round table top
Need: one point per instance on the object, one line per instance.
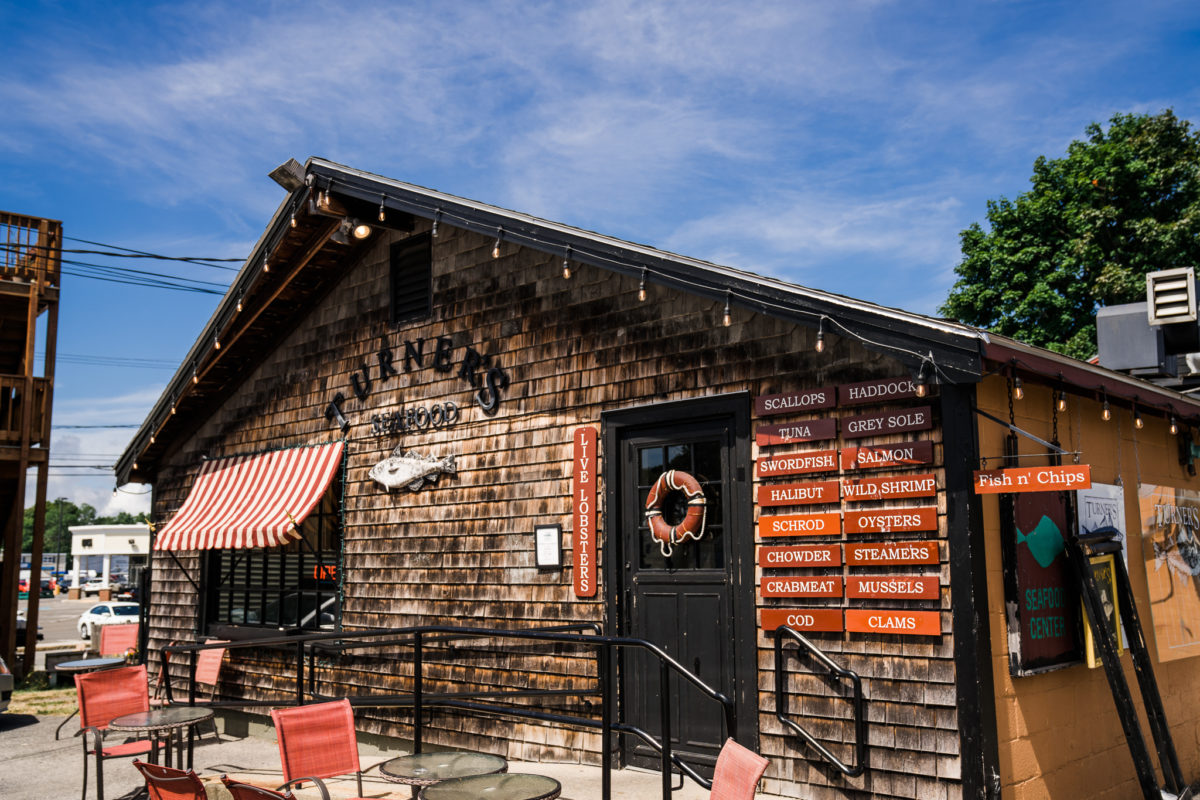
(425, 769)
(89, 664)
(510, 786)
(159, 719)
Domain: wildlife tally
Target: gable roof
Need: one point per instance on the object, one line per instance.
(295, 262)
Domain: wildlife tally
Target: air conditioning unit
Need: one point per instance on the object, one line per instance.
(1171, 305)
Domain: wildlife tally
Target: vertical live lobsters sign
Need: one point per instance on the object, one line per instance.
(583, 492)
(826, 491)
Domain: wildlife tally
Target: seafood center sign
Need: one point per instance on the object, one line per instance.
(484, 378)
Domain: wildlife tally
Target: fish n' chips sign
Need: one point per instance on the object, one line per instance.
(1033, 479)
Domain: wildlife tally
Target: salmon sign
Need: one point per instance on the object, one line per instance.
(584, 493)
(1033, 479)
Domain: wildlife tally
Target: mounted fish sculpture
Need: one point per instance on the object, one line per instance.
(411, 470)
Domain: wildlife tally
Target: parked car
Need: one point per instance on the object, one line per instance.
(6, 686)
(96, 584)
(115, 613)
(22, 624)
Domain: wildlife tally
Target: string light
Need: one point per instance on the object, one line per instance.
(437, 215)
(642, 286)
(152, 438)
(1018, 389)
(382, 213)
(1137, 419)
(172, 406)
(216, 341)
(266, 265)
(239, 304)
(727, 317)
(1174, 426)
(1062, 400)
(567, 264)
(293, 219)
(820, 345)
(195, 375)
(1105, 410)
(325, 200)
(922, 387)
(496, 246)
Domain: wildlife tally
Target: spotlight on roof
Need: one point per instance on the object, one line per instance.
(289, 175)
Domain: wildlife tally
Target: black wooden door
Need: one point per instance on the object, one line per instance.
(685, 602)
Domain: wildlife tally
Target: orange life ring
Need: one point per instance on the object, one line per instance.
(692, 526)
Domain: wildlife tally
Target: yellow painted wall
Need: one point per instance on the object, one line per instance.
(1059, 734)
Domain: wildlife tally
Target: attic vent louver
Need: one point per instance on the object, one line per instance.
(1171, 296)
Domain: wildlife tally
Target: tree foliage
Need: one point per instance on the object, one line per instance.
(1124, 202)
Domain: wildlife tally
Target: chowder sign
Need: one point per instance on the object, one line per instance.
(483, 376)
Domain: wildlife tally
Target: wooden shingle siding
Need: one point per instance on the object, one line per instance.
(461, 551)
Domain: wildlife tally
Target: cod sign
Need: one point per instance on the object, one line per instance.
(820, 620)
(584, 493)
(1033, 479)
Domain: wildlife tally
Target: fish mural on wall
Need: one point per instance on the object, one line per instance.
(411, 470)
(1045, 541)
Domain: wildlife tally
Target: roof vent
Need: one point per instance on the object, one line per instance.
(1171, 296)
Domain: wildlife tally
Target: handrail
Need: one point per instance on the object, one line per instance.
(836, 673)
(419, 637)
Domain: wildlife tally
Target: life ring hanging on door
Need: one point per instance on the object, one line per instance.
(692, 526)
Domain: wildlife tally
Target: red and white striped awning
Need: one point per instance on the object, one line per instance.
(252, 501)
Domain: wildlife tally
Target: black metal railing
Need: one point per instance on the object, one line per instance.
(835, 674)
(308, 648)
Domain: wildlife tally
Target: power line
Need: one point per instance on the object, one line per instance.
(73, 427)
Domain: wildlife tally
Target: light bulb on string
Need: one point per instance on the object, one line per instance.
(433, 230)
(1174, 426)
(382, 213)
(727, 317)
(195, 375)
(922, 387)
(1062, 400)
(293, 221)
(1137, 420)
(496, 246)
(1105, 410)
(239, 304)
(266, 265)
(1018, 389)
(642, 286)
(216, 341)
(820, 345)
(566, 265)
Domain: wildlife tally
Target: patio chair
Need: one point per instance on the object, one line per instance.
(248, 791)
(168, 783)
(118, 640)
(737, 773)
(208, 673)
(317, 741)
(104, 696)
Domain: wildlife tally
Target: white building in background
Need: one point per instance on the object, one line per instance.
(104, 549)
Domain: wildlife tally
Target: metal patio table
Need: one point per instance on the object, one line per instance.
(510, 786)
(426, 769)
(79, 667)
(166, 724)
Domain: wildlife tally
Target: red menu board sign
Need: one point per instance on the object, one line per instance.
(905, 623)
(826, 524)
(1033, 479)
(798, 494)
(802, 619)
(892, 587)
(809, 430)
(881, 422)
(801, 555)
(584, 494)
(905, 454)
(892, 520)
(877, 391)
(810, 400)
(878, 554)
(796, 463)
(889, 488)
(801, 586)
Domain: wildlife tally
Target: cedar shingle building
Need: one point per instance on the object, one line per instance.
(413, 427)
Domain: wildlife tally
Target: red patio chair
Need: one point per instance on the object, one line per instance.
(248, 791)
(104, 696)
(168, 783)
(317, 741)
(737, 773)
(208, 673)
(117, 640)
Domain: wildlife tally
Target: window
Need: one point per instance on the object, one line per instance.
(296, 586)
(411, 279)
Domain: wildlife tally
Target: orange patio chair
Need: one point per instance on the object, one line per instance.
(737, 773)
(104, 696)
(317, 741)
(118, 640)
(168, 783)
(248, 791)
(208, 673)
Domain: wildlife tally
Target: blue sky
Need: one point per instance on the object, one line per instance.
(837, 145)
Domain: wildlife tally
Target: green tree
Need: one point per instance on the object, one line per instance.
(61, 514)
(1124, 202)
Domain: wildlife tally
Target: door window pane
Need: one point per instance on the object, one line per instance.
(702, 460)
